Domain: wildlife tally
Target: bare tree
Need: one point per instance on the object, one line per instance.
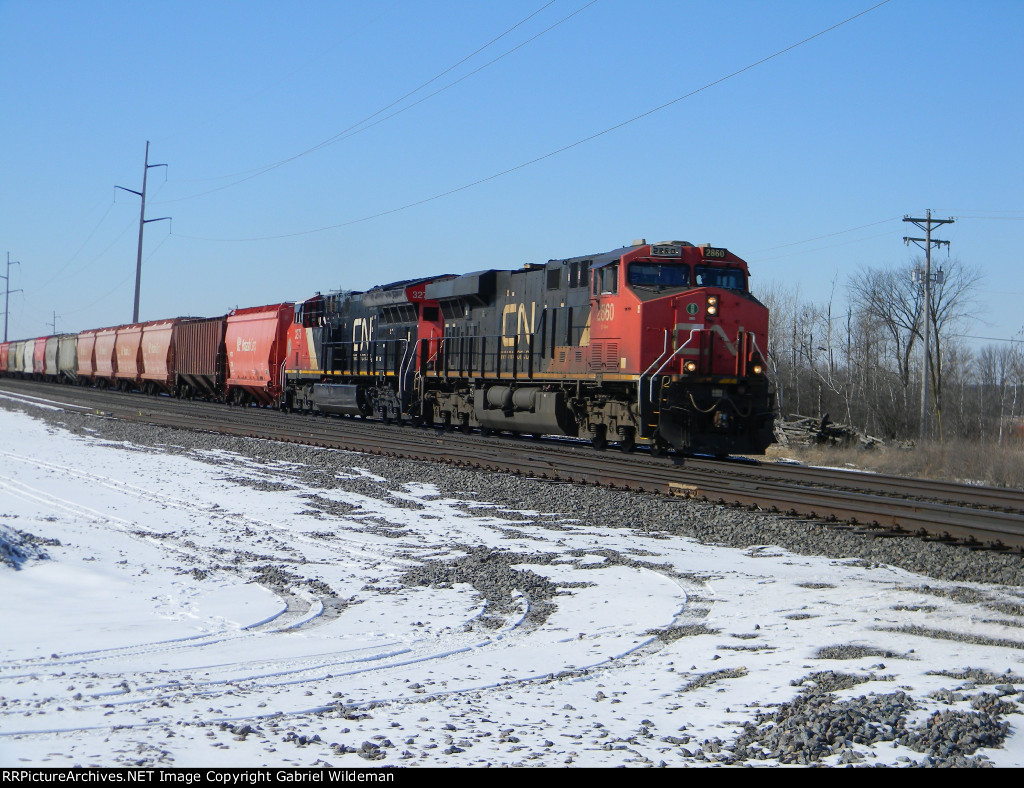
(892, 299)
(889, 299)
(783, 304)
(953, 301)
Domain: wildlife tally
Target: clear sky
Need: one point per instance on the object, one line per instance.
(912, 105)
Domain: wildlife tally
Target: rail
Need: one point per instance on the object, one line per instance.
(872, 501)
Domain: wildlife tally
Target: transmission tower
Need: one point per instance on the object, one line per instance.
(143, 221)
(8, 291)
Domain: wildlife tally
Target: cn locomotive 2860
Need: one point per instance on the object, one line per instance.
(660, 344)
(657, 344)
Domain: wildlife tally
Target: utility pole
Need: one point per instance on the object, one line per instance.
(7, 296)
(143, 221)
(53, 323)
(926, 224)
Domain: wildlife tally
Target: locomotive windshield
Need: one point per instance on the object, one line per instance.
(659, 275)
(728, 278)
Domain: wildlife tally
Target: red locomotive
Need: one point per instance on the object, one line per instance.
(661, 344)
(655, 344)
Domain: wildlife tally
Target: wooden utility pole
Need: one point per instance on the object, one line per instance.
(143, 221)
(8, 291)
(926, 224)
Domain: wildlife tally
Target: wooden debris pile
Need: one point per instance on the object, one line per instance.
(810, 431)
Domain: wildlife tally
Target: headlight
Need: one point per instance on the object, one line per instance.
(712, 305)
(758, 369)
(690, 366)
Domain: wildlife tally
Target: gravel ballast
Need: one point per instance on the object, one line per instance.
(822, 723)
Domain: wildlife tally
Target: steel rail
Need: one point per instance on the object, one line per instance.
(904, 506)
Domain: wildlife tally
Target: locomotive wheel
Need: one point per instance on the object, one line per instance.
(628, 440)
(600, 439)
(446, 422)
(464, 427)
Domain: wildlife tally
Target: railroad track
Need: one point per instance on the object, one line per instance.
(881, 505)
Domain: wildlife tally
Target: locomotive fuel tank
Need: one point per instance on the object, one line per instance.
(341, 399)
(526, 409)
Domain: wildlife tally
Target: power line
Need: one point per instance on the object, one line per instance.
(553, 153)
(993, 218)
(827, 235)
(977, 210)
(989, 339)
(354, 128)
(78, 251)
(753, 258)
(354, 32)
(103, 297)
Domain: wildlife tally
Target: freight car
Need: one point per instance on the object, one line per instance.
(660, 344)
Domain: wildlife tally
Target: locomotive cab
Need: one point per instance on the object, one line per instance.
(714, 396)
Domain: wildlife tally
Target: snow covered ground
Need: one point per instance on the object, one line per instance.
(207, 608)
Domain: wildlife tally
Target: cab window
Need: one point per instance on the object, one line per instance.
(659, 275)
(727, 278)
(606, 280)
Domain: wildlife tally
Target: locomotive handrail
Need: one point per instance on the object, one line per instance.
(675, 353)
(522, 361)
(640, 381)
(404, 369)
(753, 338)
(363, 361)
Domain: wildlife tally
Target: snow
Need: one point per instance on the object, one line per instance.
(159, 616)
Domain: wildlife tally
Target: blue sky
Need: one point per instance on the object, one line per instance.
(913, 105)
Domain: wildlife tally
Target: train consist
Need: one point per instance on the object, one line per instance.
(656, 344)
